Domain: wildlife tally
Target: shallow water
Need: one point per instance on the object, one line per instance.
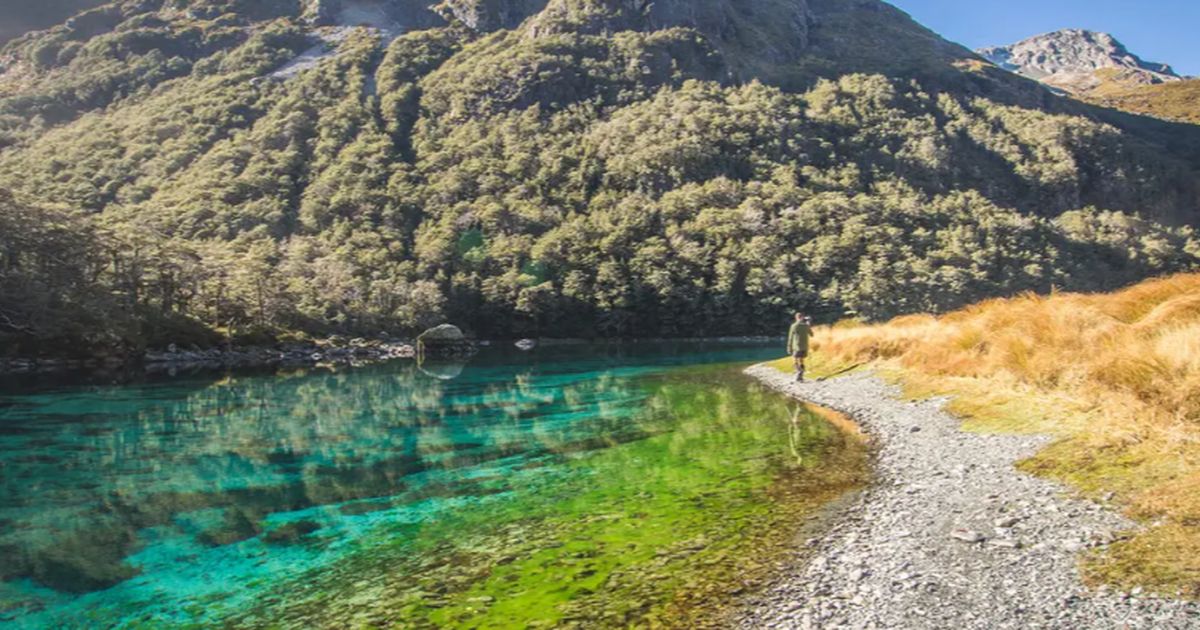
(591, 485)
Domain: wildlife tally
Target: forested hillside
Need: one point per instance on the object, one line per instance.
(586, 167)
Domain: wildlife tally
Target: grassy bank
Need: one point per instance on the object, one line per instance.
(1115, 377)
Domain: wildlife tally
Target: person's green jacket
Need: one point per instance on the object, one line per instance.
(798, 338)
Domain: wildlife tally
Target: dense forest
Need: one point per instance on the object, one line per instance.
(186, 171)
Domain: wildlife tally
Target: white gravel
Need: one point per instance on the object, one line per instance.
(900, 555)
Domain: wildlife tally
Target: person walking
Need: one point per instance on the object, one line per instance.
(797, 343)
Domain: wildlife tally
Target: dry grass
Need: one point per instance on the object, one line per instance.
(1116, 377)
(1179, 100)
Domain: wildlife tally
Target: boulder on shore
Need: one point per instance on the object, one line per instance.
(445, 341)
(446, 333)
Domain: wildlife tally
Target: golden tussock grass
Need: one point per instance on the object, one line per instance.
(1173, 101)
(1115, 377)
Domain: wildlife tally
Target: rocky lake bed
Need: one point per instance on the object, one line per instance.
(175, 358)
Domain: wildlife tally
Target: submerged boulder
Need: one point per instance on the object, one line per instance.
(291, 533)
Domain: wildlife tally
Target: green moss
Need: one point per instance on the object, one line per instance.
(659, 530)
(1161, 560)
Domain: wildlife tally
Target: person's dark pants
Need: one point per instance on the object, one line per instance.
(799, 358)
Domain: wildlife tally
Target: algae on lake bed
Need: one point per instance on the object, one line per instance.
(661, 531)
(574, 487)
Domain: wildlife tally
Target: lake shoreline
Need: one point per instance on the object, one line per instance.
(950, 535)
(334, 350)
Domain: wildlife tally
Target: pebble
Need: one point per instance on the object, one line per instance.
(967, 535)
(1073, 546)
(895, 553)
(1007, 522)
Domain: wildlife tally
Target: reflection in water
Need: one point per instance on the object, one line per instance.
(444, 501)
(803, 433)
(442, 370)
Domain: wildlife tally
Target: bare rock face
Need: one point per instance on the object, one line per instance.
(394, 16)
(726, 19)
(91, 23)
(1077, 61)
(482, 16)
(322, 12)
(485, 16)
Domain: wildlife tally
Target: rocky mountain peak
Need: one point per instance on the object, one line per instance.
(1071, 58)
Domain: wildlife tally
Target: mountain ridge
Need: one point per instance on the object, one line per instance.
(1097, 68)
(593, 168)
(1069, 58)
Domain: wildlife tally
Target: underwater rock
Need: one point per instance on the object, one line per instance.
(290, 533)
(335, 350)
(84, 561)
(356, 509)
(238, 526)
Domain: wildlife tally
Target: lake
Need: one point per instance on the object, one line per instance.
(601, 485)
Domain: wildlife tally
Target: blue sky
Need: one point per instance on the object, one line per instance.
(1156, 30)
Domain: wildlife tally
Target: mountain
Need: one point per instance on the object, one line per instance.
(1078, 61)
(186, 170)
(1097, 68)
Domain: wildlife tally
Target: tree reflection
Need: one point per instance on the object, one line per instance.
(87, 470)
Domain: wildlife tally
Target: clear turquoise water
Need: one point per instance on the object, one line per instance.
(570, 484)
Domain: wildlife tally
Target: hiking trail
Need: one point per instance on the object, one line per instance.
(949, 534)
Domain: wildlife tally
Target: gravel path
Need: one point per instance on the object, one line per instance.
(951, 535)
